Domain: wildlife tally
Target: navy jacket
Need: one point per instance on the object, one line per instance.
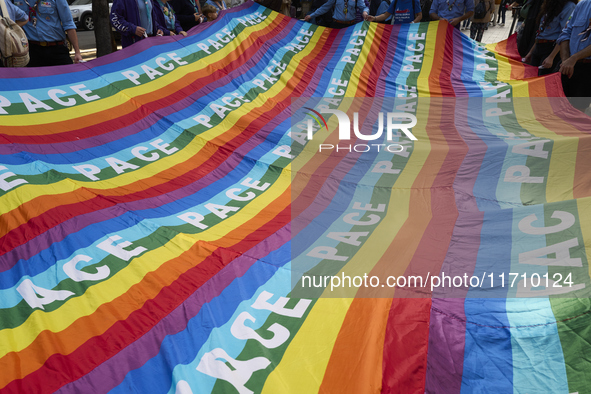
(185, 13)
(125, 17)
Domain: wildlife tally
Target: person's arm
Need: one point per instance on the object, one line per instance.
(69, 27)
(158, 21)
(119, 23)
(320, 11)
(564, 50)
(73, 38)
(20, 18)
(455, 21)
(549, 61)
(468, 14)
(379, 18)
(527, 57)
(365, 12)
(563, 39)
(179, 29)
(568, 66)
(433, 10)
(418, 11)
(185, 12)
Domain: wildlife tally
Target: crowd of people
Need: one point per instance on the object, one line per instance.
(553, 35)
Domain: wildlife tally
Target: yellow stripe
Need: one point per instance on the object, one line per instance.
(561, 175)
(504, 67)
(584, 209)
(519, 88)
(249, 34)
(388, 228)
(18, 338)
(361, 62)
(215, 135)
(293, 375)
(302, 367)
(423, 87)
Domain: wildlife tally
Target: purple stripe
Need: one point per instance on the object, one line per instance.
(388, 59)
(445, 358)
(150, 119)
(112, 372)
(458, 85)
(138, 47)
(73, 225)
(58, 233)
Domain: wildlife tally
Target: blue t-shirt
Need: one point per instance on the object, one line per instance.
(404, 12)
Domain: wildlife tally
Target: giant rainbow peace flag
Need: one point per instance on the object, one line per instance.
(154, 203)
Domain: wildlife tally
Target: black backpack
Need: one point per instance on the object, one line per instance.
(480, 10)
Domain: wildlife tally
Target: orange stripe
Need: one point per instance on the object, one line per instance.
(188, 84)
(13, 218)
(441, 51)
(361, 338)
(363, 333)
(16, 365)
(103, 318)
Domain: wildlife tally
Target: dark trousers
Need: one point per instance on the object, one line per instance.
(477, 30)
(502, 12)
(541, 52)
(55, 55)
(578, 87)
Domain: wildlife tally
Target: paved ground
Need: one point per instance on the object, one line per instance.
(496, 33)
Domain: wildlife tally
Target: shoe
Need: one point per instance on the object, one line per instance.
(502, 24)
(494, 24)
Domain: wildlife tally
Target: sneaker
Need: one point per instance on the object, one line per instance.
(502, 24)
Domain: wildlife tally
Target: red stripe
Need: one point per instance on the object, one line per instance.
(446, 86)
(27, 135)
(25, 232)
(79, 363)
(102, 347)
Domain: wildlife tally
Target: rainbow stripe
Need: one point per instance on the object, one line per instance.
(155, 205)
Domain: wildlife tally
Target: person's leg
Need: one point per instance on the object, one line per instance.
(43, 56)
(60, 55)
(503, 12)
(36, 55)
(578, 87)
(480, 31)
(495, 14)
(473, 31)
(468, 22)
(541, 52)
